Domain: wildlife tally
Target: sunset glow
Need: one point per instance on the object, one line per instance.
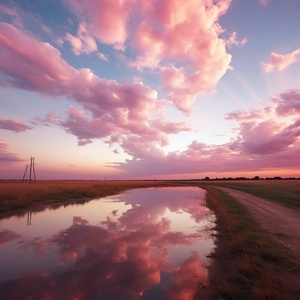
(143, 89)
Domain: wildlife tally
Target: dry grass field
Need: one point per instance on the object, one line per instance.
(16, 196)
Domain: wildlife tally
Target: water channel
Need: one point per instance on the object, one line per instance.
(147, 243)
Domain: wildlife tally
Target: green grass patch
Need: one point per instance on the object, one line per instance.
(256, 258)
(286, 192)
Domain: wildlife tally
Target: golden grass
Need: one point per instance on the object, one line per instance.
(15, 195)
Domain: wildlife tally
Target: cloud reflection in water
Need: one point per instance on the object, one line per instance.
(135, 251)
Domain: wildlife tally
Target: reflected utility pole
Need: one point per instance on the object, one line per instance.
(29, 215)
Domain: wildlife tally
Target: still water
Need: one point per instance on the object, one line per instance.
(144, 244)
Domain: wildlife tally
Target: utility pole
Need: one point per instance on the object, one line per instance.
(25, 173)
(31, 171)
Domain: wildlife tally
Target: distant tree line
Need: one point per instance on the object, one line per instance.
(253, 178)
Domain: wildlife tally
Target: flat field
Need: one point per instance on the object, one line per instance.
(286, 192)
(16, 196)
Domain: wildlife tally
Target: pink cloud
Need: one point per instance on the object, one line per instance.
(83, 42)
(48, 120)
(185, 284)
(262, 143)
(280, 61)
(178, 39)
(267, 137)
(42, 70)
(102, 56)
(245, 115)
(130, 111)
(86, 128)
(232, 40)
(13, 125)
(107, 20)
(188, 36)
(288, 103)
(5, 156)
(157, 33)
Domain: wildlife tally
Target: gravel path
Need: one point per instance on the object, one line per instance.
(280, 223)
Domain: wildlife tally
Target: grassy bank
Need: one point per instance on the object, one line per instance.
(16, 196)
(247, 265)
(285, 192)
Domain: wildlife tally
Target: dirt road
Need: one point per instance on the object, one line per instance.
(280, 223)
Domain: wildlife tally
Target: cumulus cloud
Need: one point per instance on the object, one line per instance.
(106, 20)
(267, 130)
(129, 112)
(280, 61)
(181, 39)
(266, 138)
(13, 125)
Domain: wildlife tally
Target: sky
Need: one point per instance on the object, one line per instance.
(150, 89)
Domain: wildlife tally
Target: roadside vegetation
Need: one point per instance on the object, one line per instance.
(247, 265)
(286, 192)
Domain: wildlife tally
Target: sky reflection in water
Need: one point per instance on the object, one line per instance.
(143, 244)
